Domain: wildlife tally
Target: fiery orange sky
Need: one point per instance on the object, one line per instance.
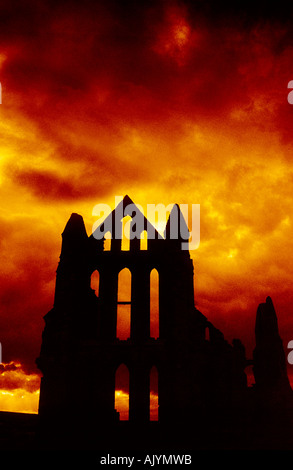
(169, 102)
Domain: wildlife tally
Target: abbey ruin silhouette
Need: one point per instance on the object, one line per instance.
(204, 400)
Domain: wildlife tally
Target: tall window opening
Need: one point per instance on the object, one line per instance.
(207, 333)
(122, 392)
(154, 304)
(107, 241)
(95, 282)
(126, 222)
(154, 394)
(124, 304)
(144, 240)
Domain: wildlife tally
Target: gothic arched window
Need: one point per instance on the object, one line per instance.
(124, 304)
(154, 304)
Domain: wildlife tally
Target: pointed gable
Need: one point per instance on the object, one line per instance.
(113, 222)
(176, 228)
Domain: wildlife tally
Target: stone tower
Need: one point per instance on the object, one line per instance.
(269, 360)
(81, 353)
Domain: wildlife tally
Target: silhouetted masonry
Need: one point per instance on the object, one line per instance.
(202, 384)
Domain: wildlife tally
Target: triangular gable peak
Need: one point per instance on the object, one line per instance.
(113, 224)
(175, 232)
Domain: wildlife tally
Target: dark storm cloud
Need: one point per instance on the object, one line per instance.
(25, 274)
(100, 61)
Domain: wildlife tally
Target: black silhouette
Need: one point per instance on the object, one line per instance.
(204, 401)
